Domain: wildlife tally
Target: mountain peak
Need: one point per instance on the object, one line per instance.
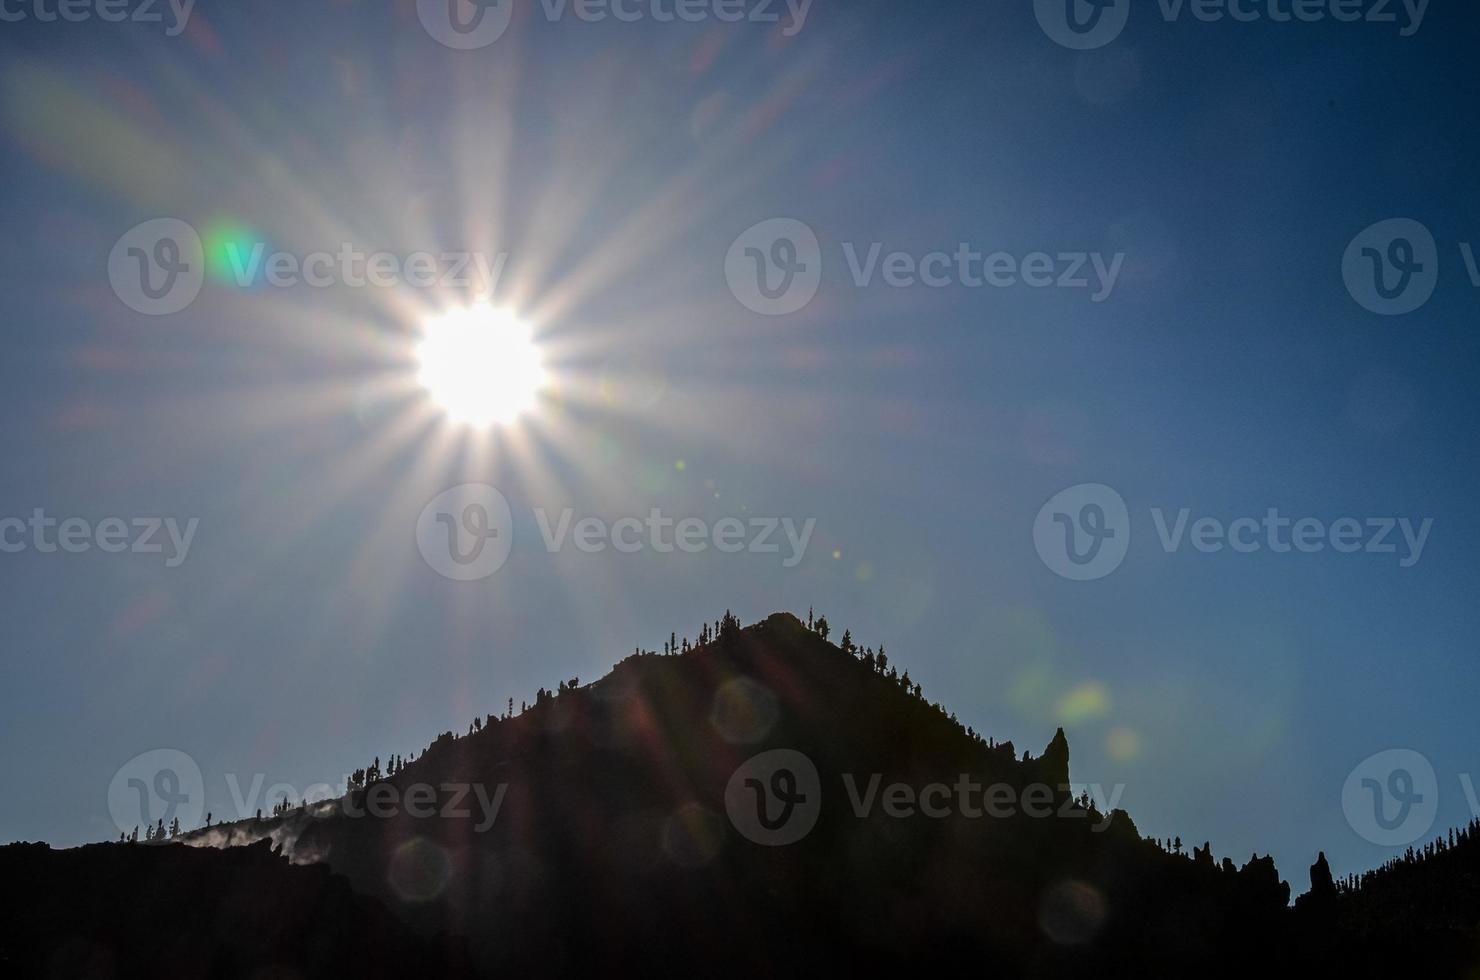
(1055, 762)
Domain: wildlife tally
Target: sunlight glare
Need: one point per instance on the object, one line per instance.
(481, 365)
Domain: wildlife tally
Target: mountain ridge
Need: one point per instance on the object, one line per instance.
(599, 829)
(651, 746)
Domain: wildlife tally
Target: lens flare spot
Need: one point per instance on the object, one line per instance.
(1123, 744)
(232, 252)
(1087, 702)
(419, 871)
(1071, 913)
(743, 712)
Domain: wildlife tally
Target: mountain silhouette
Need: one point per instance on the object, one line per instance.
(763, 802)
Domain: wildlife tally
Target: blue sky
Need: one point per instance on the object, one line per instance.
(1228, 372)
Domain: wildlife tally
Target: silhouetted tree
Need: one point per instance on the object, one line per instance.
(729, 628)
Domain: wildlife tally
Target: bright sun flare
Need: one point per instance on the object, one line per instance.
(481, 365)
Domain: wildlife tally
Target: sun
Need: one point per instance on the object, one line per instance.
(481, 365)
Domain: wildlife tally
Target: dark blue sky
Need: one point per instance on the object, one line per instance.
(1229, 371)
